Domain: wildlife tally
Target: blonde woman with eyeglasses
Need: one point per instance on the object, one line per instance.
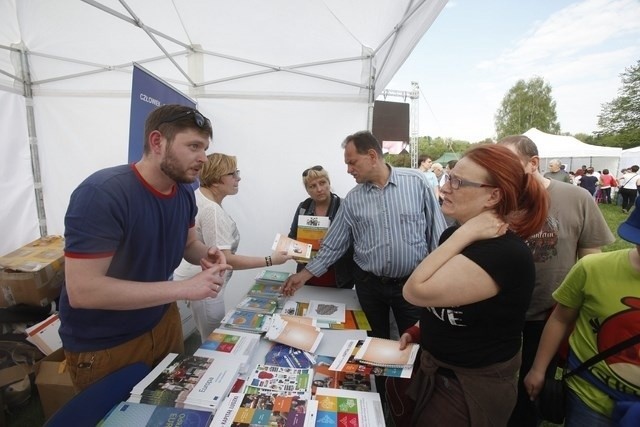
(219, 178)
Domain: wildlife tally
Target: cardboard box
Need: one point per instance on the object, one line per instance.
(54, 383)
(33, 274)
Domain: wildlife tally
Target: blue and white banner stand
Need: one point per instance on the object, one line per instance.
(148, 92)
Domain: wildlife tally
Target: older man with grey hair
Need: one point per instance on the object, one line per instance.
(556, 172)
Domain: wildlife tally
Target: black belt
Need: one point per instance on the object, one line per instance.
(389, 280)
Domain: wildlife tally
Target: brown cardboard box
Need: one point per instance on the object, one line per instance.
(54, 383)
(33, 274)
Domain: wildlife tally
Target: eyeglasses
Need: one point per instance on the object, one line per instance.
(317, 168)
(235, 174)
(456, 183)
(200, 120)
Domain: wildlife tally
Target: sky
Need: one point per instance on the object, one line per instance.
(475, 51)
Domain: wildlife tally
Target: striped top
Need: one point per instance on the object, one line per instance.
(393, 228)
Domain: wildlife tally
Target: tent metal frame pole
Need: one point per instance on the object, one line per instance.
(33, 142)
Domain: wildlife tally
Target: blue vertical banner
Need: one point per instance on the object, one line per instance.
(148, 92)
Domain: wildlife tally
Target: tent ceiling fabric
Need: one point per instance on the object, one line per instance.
(283, 80)
(214, 48)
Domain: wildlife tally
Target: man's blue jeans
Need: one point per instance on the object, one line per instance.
(580, 415)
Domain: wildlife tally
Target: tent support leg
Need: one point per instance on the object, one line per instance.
(33, 142)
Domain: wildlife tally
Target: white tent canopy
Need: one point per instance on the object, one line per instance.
(282, 80)
(630, 157)
(573, 152)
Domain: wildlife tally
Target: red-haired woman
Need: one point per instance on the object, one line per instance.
(475, 289)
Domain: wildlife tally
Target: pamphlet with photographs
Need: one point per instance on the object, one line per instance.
(287, 356)
(191, 382)
(256, 410)
(247, 321)
(312, 229)
(279, 380)
(298, 250)
(325, 377)
(346, 362)
(340, 407)
(295, 334)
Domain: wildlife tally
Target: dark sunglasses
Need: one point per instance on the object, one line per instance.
(200, 120)
(317, 168)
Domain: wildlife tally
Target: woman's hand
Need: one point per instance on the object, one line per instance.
(533, 383)
(281, 257)
(405, 340)
(486, 225)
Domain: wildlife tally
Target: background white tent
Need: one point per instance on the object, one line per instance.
(573, 152)
(630, 157)
(284, 81)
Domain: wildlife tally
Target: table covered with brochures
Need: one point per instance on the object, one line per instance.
(304, 361)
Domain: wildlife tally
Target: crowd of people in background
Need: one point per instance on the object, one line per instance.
(468, 259)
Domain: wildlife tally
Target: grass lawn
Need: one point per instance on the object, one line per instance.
(614, 216)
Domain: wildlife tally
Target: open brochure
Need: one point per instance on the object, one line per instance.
(386, 353)
(293, 333)
(44, 335)
(298, 250)
(346, 361)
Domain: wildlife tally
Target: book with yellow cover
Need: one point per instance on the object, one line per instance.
(312, 229)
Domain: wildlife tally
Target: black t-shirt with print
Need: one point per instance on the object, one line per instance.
(488, 331)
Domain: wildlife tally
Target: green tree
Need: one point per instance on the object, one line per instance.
(619, 120)
(528, 104)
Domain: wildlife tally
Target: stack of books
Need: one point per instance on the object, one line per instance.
(272, 277)
(258, 304)
(247, 321)
(234, 345)
(191, 382)
(142, 414)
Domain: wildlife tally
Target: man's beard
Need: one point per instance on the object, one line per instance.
(170, 167)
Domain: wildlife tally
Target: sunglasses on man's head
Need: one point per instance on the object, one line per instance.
(200, 120)
(317, 168)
